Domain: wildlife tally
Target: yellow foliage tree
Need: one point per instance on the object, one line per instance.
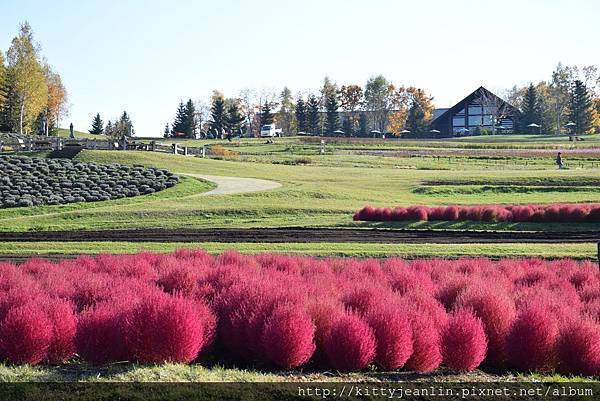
(3, 82)
(57, 98)
(27, 81)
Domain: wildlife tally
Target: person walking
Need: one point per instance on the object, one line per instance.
(559, 161)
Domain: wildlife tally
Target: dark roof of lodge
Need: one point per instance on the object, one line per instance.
(468, 98)
(438, 112)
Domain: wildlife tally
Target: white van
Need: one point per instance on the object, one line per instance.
(269, 131)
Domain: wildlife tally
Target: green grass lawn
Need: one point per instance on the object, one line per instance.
(311, 195)
(65, 133)
(549, 251)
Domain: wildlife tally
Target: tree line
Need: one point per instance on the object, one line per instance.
(350, 110)
(121, 127)
(33, 98)
(568, 102)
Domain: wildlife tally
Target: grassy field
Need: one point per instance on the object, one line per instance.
(311, 195)
(549, 251)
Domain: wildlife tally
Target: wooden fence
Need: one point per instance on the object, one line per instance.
(40, 143)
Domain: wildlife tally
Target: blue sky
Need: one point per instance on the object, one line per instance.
(146, 56)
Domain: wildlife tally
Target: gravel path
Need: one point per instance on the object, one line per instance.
(235, 185)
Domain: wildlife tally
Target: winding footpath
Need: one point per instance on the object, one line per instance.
(235, 185)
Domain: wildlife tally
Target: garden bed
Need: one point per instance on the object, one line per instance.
(552, 213)
(29, 181)
(287, 312)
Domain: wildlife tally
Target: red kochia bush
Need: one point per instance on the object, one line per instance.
(497, 312)
(283, 310)
(288, 337)
(463, 341)
(427, 351)
(576, 213)
(579, 348)
(531, 343)
(99, 337)
(394, 336)
(163, 329)
(64, 325)
(25, 335)
(350, 343)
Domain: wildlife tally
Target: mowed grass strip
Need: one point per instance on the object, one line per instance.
(554, 250)
(181, 373)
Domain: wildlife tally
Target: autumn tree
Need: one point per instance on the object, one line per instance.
(581, 109)
(56, 105)
(420, 112)
(351, 99)
(313, 117)
(286, 119)
(3, 88)
(562, 79)
(250, 107)
(300, 112)
(27, 89)
(97, 125)
(378, 92)
(122, 127)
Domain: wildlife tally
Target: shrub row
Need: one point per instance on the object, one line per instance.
(26, 181)
(552, 213)
(288, 311)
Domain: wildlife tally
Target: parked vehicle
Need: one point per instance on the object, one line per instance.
(270, 131)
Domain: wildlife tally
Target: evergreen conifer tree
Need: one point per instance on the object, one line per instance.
(266, 116)
(331, 107)
(312, 107)
(301, 114)
(167, 131)
(234, 121)
(179, 125)
(190, 120)
(531, 109)
(218, 116)
(581, 108)
(97, 125)
(363, 122)
(124, 125)
(416, 122)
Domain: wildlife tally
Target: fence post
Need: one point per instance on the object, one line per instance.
(174, 148)
(203, 152)
(152, 144)
(185, 150)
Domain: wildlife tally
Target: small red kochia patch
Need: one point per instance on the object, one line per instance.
(554, 213)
